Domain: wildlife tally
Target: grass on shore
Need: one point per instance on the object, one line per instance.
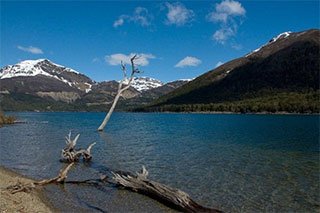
(6, 119)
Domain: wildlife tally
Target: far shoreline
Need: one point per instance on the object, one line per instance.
(171, 112)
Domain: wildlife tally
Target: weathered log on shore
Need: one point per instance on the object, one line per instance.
(19, 187)
(171, 197)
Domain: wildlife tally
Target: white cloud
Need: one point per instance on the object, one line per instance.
(30, 49)
(219, 64)
(95, 60)
(188, 61)
(118, 22)
(227, 13)
(225, 10)
(223, 34)
(116, 59)
(140, 16)
(178, 14)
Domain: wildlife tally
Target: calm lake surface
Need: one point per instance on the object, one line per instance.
(236, 163)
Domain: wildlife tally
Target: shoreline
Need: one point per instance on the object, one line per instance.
(34, 201)
(247, 113)
(171, 112)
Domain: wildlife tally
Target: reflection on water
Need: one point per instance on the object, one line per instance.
(249, 163)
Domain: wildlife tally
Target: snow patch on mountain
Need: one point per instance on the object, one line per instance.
(66, 68)
(280, 36)
(144, 83)
(185, 79)
(182, 79)
(256, 50)
(30, 68)
(89, 87)
(24, 68)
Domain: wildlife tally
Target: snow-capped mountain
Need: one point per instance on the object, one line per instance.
(44, 67)
(31, 68)
(144, 83)
(42, 81)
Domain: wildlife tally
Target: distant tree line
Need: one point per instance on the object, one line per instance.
(282, 102)
(292, 102)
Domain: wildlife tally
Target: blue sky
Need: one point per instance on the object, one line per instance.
(176, 40)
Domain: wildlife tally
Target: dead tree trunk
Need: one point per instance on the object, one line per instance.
(134, 70)
(113, 106)
(169, 196)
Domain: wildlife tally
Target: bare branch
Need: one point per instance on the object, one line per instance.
(87, 153)
(71, 143)
(124, 69)
(143, 174)
(68, 138)
(74, 142)
(90, 146)
(63, 173)
(134, 58)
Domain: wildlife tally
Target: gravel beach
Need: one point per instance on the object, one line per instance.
(33, 201)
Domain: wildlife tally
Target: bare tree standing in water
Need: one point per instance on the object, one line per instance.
(121, 89)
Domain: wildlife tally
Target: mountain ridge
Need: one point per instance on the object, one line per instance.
(44, 81)
(288, 63)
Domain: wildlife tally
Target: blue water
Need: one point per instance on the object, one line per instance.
(236, 163)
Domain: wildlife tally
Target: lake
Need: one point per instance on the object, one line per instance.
(236, 163)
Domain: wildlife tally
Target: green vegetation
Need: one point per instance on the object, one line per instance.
(290, 102)
(27, 102)
(6, 119)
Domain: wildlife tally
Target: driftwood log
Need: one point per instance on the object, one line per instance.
(71, 154)
(171, 197)
(19, 187)
(59, 179)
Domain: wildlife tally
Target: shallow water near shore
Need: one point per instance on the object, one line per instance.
(236, 163)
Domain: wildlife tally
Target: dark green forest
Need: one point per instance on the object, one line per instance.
(282, 102)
